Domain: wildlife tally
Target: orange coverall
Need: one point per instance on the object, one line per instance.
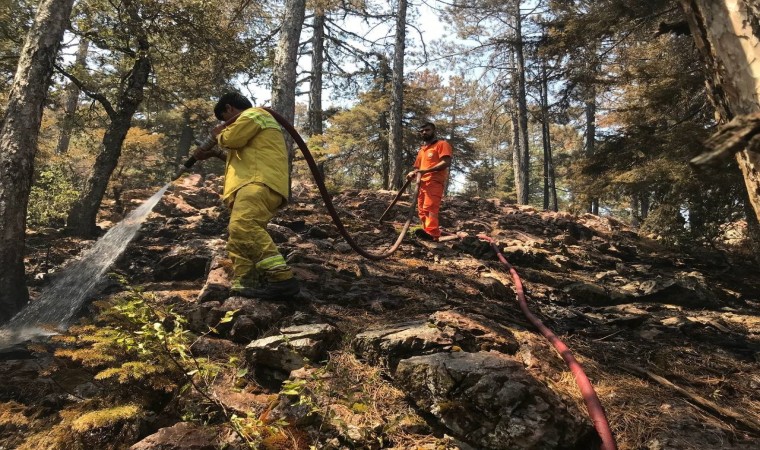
(432, 184)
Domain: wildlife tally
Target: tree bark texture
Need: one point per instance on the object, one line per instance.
(71, 101)
(727, 33)
(395, 132)
(83, 214)
(591, 136)
(383, 78)
(317, 60)
(523, 179)
(550, 189)
(517, 153)
(286, 66)
(18, 145)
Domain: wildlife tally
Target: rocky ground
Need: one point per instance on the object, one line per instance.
(426, 349)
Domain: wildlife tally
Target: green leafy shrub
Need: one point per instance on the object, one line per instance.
(51, 196)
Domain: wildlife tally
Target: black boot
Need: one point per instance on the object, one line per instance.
(278, 290)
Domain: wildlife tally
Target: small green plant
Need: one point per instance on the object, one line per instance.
(140, 347)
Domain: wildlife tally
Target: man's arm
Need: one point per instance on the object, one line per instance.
(442, 164)
(238, 133)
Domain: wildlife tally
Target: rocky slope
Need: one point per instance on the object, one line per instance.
(426, 349)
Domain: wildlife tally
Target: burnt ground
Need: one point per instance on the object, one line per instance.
(625, 304)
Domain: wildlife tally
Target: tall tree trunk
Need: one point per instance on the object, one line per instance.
(18, 145)
(517, 153)
(71, 100)
(395, 132)
(727, 33)
(383, 78)
(452, 133)
(317, 61)
(523, 181)
(591, 135)
(550, 189)
(83, 214)
(286, 66)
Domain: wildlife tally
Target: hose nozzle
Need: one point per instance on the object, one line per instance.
(185, 167)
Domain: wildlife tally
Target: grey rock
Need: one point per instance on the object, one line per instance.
(217, 285)
(490, 401)
(293, 348)
(182, 436)
(387, 346)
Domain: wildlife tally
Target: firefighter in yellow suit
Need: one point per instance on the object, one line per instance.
(255, 187)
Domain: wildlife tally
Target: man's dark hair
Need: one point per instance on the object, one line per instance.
(234, 99)
(427, 124)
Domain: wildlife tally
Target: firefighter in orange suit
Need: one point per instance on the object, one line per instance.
(255, 187)
(432, 163)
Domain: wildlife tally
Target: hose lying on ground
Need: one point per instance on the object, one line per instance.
(594, 406)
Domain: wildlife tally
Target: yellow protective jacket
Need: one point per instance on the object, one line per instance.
(257, 154)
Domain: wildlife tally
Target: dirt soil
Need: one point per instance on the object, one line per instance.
(630, 309)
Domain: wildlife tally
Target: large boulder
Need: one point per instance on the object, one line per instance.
(444, 331)
(274, 357)
(250, 317)
(490, 401)
(185, 262)
(387, 346)
(472, 332)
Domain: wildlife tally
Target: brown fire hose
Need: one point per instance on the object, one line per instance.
(398, 196)
(328, 202)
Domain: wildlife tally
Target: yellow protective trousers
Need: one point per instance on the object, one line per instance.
(254, 255)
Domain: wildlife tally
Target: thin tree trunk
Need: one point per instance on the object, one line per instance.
(18, 145)
(317, 60)
(285, 68)
(82, 217)
(517, 153)
(382, 79)
(546, 136)
(395, 132)
(72, 100)
(452, 133)
(523, 182)
(591, 135)
(727, 33)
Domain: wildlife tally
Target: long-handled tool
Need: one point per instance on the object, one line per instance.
(398, 196)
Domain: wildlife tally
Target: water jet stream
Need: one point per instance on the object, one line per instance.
(58, 304)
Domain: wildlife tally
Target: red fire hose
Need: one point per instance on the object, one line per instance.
(594, 406)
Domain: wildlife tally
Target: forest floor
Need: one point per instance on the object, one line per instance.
(669, 338)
